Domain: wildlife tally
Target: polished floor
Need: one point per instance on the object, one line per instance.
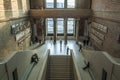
(61, 49)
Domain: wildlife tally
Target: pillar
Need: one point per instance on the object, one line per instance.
(55, 34)
(77, 30)
(65, 30)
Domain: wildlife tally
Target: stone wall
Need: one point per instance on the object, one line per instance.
(83, 4)
(102, 64)
(12, 14)
(106, 14)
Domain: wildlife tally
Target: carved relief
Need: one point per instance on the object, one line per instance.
(98, 34)
(21, 31)
(97, 40)
(99, 27)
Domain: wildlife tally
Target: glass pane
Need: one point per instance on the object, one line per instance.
(50, 25)
(60, 25)
(49, 3)
(70, 3)
(60, 3)
(70, 25)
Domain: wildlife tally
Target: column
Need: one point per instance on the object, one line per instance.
(65, 30)
(34, 32)
(65, 4)
(55, 2)
(55, 34)
(77, 30)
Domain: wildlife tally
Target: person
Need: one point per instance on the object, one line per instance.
(87, 66)
(36, 39)
(67, 50)
(51, 39)
(84, 42)
(34, 58)
(80, 47)
(88, 40)
(60, 42)
(40, 41)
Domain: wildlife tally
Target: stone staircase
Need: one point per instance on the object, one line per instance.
(60, 67)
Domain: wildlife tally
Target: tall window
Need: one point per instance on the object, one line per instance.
(60, 25)
(49, 3)
(70, 3)
(60, 3)
(50, 25)
(70, 26)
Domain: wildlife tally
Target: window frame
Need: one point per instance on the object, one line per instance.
(73, 26)
(60, 34)
(63, 4)
(70, 7)
(46, 4)
(55, 5)
(47, 26)
(57, 26)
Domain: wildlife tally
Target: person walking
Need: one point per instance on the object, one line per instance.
(67, 50)
(51, 39)
(60, 42)
(80, 47)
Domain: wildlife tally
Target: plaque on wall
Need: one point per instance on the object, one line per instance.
(97, 40)
(19, 35)
(99, 27)
(13, 31)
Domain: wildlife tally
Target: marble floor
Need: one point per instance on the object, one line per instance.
(61, 49)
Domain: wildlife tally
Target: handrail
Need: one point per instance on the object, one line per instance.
(29, 68)
(40, 67)
(75, 65)
(44, 67)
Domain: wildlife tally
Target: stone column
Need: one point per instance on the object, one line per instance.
(77, 30)
(34, 30)
(65, 4)
(55, 32)
(55, 5)
(65, 30)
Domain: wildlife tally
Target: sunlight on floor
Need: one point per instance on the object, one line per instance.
(59, 49)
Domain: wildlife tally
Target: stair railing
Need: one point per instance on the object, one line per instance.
(75, 67)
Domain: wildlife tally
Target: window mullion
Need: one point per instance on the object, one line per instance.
(65, 4)
(55, 3)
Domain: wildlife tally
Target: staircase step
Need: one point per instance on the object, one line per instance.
(60, 64)
(59, 78)
(60, 74)
(59, 68)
